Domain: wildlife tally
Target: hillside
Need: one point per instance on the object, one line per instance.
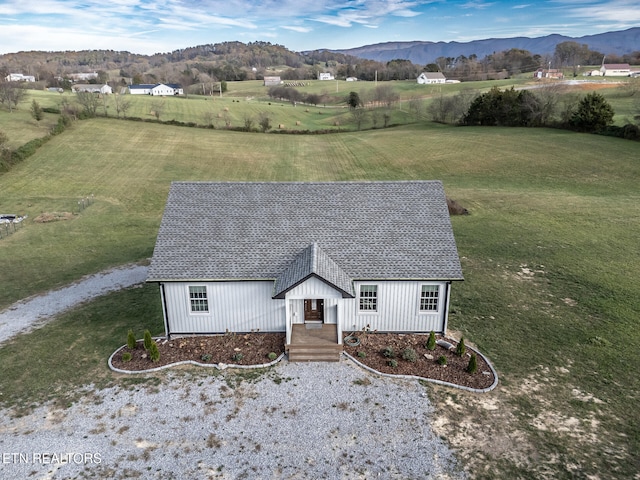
(619, 43)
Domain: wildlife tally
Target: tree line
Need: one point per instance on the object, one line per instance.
(236, 61)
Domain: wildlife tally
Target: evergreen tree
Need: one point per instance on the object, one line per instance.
(592, 114)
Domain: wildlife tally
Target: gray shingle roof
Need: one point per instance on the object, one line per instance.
(313, 261)
(245, 231)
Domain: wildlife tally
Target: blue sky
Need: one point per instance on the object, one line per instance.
(152, 26)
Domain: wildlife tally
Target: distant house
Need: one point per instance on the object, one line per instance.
(548, 73)
(156, 89)
(325, 76)
(285, 256)
(272, 81)
(615, 70)
(18, 77)
(431, 78)
(82, 77)
(92, 88)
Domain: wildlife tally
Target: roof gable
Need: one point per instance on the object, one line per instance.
(257, 231)
(313, 261)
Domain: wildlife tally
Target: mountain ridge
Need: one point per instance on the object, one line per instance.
(422, 52)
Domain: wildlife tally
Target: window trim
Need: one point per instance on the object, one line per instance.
(191, 299)
(433, 287)
(374, 299)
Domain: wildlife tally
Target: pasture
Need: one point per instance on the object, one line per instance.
(549, 254)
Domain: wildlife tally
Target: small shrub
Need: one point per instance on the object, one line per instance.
(392, 363)
(154, 353)
(473, 364)
(126, 357)
(362, 355)
(131, 340)
(272, 356)
(431, 343)
(237, 357)
(442, 360)
(409, 354)
(147, 340)
(205, 357)
(460, 348)
(388, 352)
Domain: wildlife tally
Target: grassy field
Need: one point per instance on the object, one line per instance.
(250, 100)
(549, 254)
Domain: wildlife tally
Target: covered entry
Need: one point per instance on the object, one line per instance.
(314, 310)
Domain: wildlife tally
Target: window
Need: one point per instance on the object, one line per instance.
(198, 299)
(429, 298)
(368, 298)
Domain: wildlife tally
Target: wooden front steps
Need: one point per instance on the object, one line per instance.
(319, 344)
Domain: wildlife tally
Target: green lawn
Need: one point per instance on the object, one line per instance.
(549, 255)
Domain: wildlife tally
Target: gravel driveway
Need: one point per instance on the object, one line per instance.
(34, 311)
(295, 421)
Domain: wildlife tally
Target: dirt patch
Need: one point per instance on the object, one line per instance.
(47, 217)
(238, 349)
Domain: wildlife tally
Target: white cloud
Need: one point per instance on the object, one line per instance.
(297, 29)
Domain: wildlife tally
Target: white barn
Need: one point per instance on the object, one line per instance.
(160, 89)
(92, 88)
(427, 78)
(615, 70)
(272, 257)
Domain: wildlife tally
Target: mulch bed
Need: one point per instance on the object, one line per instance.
(455, 371)
(254, 349)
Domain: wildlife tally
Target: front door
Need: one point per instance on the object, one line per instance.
(314, 311)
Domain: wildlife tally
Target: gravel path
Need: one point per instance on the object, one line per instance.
(34, 311)
(296, 421)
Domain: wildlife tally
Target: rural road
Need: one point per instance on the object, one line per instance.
(37, 310)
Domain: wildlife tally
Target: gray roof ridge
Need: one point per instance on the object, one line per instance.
(313, 260)
(300, 182)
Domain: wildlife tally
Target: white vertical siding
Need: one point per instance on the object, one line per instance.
(313, 288)
(233, 306)
(398, 308)
(246, 306)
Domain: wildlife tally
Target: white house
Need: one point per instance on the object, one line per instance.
(272, 80)
(77, 77)
(615, 70)
(92, 88)
(325, 76)
(275, 257)
(156, 89)
(19, 77)
(431, 77)
(548, 73)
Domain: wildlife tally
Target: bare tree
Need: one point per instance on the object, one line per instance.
(209, 118)
(358, 115)
(227, 119)
(416, 106)
(122, 104)
(157, 108)
(89, 101)
(248, 123)
(385, 95)
(264, 121)
(11, 94)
